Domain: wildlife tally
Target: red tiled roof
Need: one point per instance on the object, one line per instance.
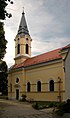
(18, 65)
(49, 56)
(52, 55)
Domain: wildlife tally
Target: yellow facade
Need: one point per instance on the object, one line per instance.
(42, 73)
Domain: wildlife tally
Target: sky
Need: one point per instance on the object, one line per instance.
(48, 23)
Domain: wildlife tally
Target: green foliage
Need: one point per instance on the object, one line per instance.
(3, 15)
(3, 78)
(63, 107)
(3, 12)
(4, 97)
(3, 42)
(44, 104)
(52, 104)
(3, 67)
(60, 112)
(35, 105)
(23, 98)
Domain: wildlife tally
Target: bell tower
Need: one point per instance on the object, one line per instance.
(22, 42)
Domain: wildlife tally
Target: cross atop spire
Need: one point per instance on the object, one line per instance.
(23, 29)
(23, 11)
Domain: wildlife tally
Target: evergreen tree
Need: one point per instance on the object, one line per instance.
(3, 12)
(3, 41)
(3, 78)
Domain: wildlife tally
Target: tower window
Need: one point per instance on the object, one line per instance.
(18, 48)
(51, 85)
(10, 87)
(27, 39)
(26, 48)
(18, 38)
(39, 86)
(28, 87)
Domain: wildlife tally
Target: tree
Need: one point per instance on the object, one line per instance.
(3, 12)
(3, 78)
(3, 42)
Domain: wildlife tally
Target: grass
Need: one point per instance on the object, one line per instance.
(2, 108)
(4, 97)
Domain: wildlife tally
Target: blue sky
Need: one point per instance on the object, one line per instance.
(48, 23)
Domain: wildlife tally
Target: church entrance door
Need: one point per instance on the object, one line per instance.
(17, 94)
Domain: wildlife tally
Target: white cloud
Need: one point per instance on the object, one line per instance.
(39, 47)
(9, 35)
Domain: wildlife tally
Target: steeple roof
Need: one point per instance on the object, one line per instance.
(23, 29)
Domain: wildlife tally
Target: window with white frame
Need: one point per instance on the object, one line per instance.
(51, 85)
(28, 87)
(38, 86)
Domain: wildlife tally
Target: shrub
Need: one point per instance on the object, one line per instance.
(23, 98)
(51, 104)
(63, 107)
(44, 104)
(60, 112)
(3, 97)
(35, 105)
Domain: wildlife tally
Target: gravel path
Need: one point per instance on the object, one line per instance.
(12, 109)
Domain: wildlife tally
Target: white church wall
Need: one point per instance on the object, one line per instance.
(67, 76)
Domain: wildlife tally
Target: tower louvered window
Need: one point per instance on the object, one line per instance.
(10, 87)
(18, 49)
(27, 49)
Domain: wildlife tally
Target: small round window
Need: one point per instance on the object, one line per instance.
(27, 39)
(17, 80)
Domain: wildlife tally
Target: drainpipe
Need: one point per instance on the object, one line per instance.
(25, 80)
(59, 89)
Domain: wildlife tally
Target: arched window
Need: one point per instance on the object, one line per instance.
(26, 48)
(17, 80)
(10, 87)
(51, 85)
(18, 48)
(28, 87)
(39, 86)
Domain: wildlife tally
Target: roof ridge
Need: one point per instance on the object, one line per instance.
(44, 53)
(67, 46)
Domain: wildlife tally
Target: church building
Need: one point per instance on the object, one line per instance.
(40, 78)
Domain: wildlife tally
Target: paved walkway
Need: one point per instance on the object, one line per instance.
(12, 109)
